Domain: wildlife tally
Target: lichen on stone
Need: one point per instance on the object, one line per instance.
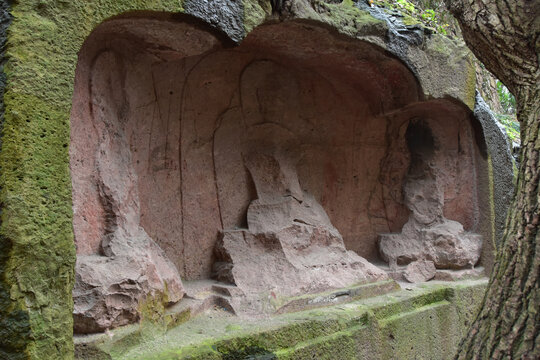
(36, 187)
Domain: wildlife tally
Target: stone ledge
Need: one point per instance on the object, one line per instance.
(426, 321)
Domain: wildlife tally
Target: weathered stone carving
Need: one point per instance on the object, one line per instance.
(290, 246)
(428, 235)
(130, 266)
(292, 143)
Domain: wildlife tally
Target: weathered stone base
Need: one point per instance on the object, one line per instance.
(446, 244)
(424, 322)
(398, 274)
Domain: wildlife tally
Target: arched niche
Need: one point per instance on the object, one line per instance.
(166, 110)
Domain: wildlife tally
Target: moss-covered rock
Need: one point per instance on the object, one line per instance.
(255, 13)
(425, 322)
(36, 240)
(344, 16)
(36, 232)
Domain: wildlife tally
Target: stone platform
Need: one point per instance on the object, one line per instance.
(423, 321)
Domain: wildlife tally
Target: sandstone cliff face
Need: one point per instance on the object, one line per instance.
(292, 143)
(342, 99)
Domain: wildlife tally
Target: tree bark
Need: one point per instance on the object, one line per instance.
(505, 36)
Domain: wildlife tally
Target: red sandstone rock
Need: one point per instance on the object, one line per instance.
(108, 291)
(428, 235)
(290, 247)
(128, 266)
(188, 124)
(456, 275)
(166, 119)
(446, 244)
(420, 271)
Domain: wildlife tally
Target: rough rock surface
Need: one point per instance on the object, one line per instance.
(463, 274)
(110, 290)
(445, 243)
(443, 67)
(428, 235)
(38, 253)
(167, 147)
(502, 162)
(290, 247)
(420, 271)
(188, 126)
(5, 20)
(225, 15)
(128, 266)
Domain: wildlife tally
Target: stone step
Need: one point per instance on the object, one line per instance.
(338, 296)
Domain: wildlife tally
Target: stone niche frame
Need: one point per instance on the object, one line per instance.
(38, 253)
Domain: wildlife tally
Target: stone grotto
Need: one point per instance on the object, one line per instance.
(291, 164)
(242, 179)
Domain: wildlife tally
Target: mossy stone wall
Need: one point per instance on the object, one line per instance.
(425, 322)
(37, 252)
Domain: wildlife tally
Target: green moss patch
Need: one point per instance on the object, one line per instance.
(368, 327)
(36, 230)
(255, 13)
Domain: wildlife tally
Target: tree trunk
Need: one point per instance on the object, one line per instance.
(505, 36)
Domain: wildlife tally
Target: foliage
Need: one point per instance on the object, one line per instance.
(507, 116)
(428, 16)
(508, 119)
(511, 125)
(507, 100)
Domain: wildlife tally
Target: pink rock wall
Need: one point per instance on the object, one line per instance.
(191, 108)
